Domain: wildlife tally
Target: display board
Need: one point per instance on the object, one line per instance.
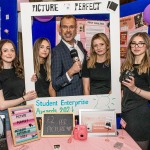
(23, 124)
(57, 124)
(130, 25)
(73, 103)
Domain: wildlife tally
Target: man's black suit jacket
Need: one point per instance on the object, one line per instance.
(61, 63)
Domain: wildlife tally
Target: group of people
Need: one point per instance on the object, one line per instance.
(66, 77)
(57, 74)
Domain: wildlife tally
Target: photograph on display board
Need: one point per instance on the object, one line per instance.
(138, 20)
(98, 122)
(23, 124)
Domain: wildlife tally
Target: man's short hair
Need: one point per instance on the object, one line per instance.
(68, 17)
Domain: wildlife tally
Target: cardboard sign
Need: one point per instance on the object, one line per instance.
(23, 124)
(57, 124)
(55, 9)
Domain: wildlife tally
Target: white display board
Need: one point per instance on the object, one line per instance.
(73, 103)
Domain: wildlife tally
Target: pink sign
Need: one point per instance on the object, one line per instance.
(23, 124)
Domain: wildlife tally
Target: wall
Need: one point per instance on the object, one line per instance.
(133, 8)
(9, 7)
(47, 29)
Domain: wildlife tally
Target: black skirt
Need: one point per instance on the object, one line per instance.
(138, 123)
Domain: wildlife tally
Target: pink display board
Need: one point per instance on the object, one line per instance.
(23, 124)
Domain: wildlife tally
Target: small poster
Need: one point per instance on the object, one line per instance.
(57, 124)
(23, 124)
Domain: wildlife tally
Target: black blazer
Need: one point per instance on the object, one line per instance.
(61, 63)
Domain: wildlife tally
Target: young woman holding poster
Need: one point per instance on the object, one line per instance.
(136, 89)
(96, 72)
(42, 67)
(12, 85)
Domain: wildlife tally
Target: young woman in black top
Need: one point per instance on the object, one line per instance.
(12, 85)
(42, 67)
(96, 72)
(136, 90)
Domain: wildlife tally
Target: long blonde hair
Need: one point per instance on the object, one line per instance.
(93, 56)
(47, 62)
(130, 59)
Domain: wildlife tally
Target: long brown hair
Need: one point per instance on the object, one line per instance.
(93, 56)
(47, 62)
(129, 61)
(16, 64)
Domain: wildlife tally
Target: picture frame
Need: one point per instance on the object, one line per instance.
(99, 122)
(23, 124)
(57, 8)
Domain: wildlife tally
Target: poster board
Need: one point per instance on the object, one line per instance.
(130, 25)
(73, 103)
(23, 124)
(57, 124)
(98, 122)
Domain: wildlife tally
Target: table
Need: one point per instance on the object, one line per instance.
(92, 143)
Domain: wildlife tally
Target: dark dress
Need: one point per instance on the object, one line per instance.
(13, 87)
(100, 78)
(135, 109)
(41, 85)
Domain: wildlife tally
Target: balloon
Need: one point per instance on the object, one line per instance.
(146, 14)
(43, 18)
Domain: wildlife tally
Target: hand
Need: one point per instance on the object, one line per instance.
(130, 83)
(30, 95)
(76, 67)
(34, 78)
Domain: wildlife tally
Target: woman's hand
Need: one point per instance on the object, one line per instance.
(34, 77)
(30, 95)
(130, 83)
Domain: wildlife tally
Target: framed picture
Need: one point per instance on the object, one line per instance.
(98, 122)
(84, 11)
(23, 124)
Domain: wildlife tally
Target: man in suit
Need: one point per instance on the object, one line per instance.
(66, 79)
